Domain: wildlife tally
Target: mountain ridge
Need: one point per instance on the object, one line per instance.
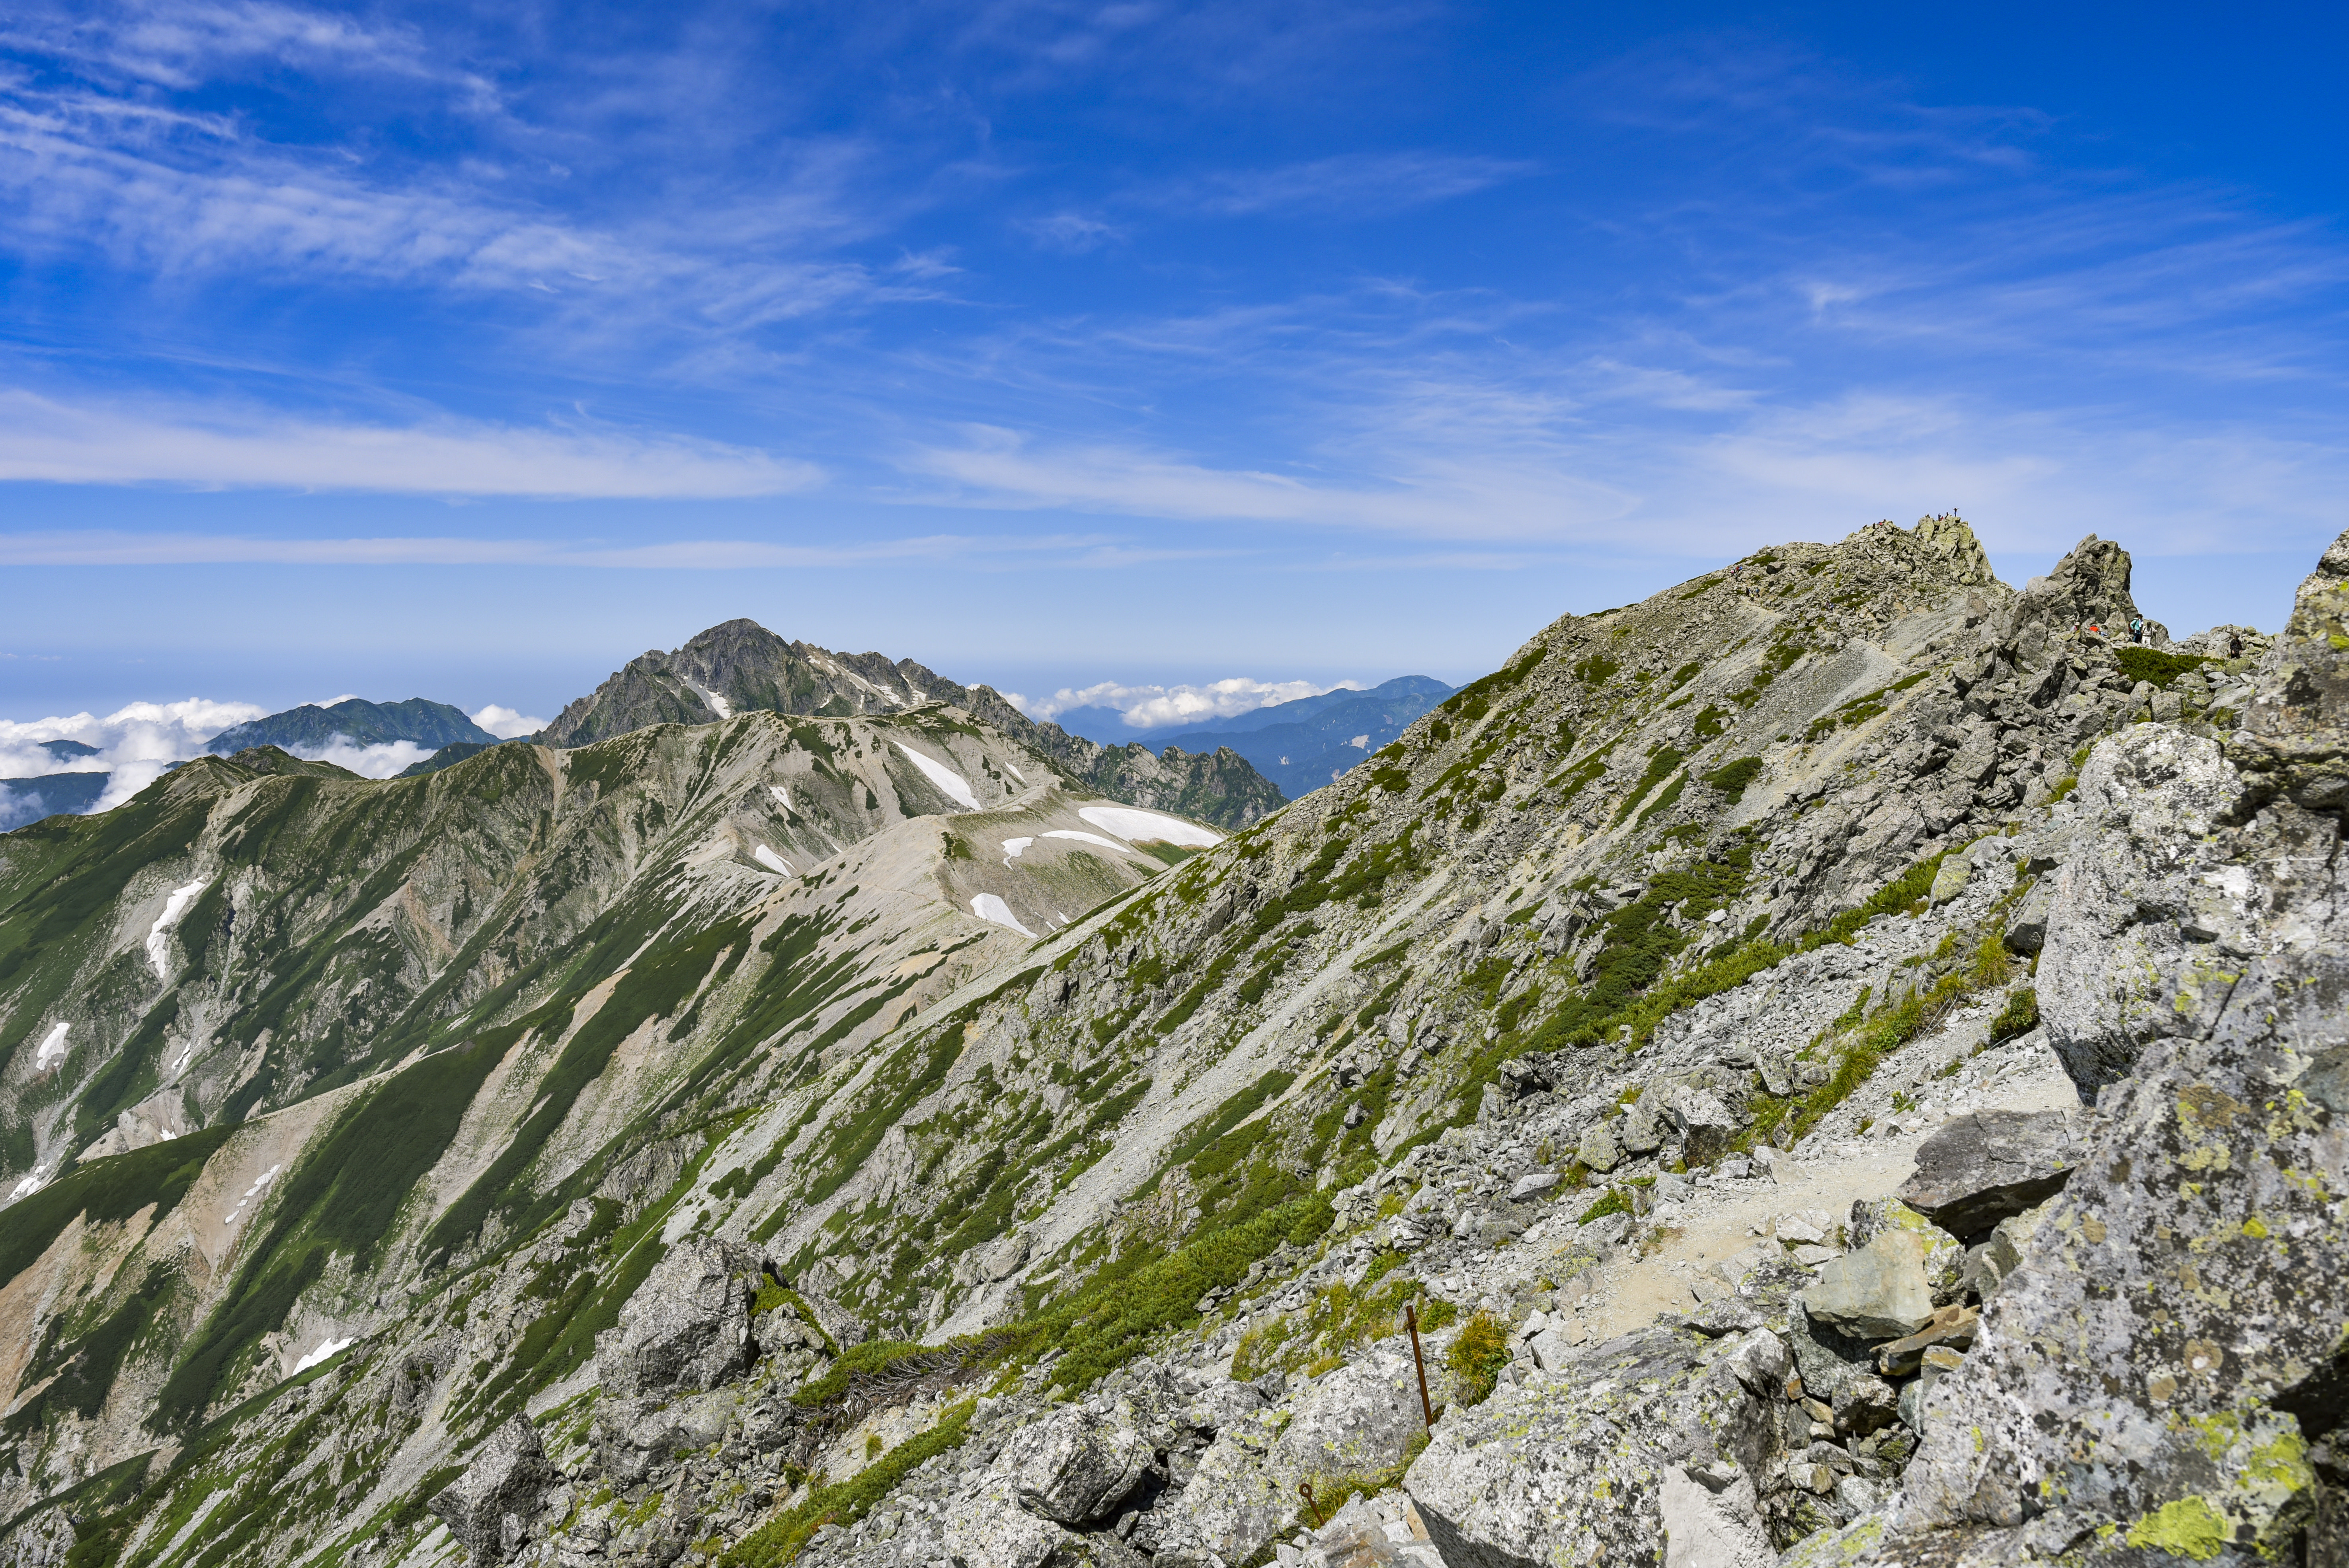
(1596, 1021)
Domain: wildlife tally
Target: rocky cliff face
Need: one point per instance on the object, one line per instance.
(1834, 1062)
(742, 668)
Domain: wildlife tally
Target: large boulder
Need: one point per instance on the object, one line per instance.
(1878, 1292)
(1709, 1528)
(1567, 1467)
(1987, 1166)
(489, 1507)
(687, 1326)
(1074, 1467)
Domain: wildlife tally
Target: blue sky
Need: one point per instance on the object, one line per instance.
(466, 352)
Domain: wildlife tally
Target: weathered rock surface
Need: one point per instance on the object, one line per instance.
(1074, 1468)
(502, 1488)
(1568, 1467)
(688, 1327)
(1987, 1166)
(1878, 1292)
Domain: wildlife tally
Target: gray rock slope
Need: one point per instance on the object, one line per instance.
(1867, 1093)
(742, 668)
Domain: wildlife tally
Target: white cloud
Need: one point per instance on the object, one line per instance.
(1353, 185)
(1071, 231)
(1160, 707)
(506, 723)
(379, 761)
(96, 547)
(136, 744)
(61, 443)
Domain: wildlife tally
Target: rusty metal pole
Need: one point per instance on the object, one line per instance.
(1305, 1490)
(1411, 1317)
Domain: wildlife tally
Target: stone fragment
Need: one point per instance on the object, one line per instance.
(1641, 1127)
(1988, 1166)
(507, 1479)
(1074, 1467)
(1864, 1405)
(687, 1326)
(1602, 1147)
(1761, 1362)
(2026, 929)
(1805, 1226)
(1706, 1127)
(1951, 1326)
(1876, 1292)
(1532, 1186)
(1957, 870)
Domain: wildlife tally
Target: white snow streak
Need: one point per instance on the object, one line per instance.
(1011, 847)
(1360, 742)
(1141, 826)
(1088, 839)
(1015, 773)
(174, 907)
(783, 796)
(331, 1348)
(956, 788)
(52, 1051)
(718, 705)
(987, 906)
(772, 862)
(31, 1182)
(250, 1192)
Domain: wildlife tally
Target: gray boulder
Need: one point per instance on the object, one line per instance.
(1878, 1292)
(1568, 1467)
(1988, 1166)
(489, 1506)
(1705, 1529)
(1602, 1147)
(1074, 1467)
(1705, 1126)
(686, 1329)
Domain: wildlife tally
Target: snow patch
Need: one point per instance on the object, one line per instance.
(173, 908)
(1016, 774)
(250, 1193)
(772, 862)
(1360, 742)
(52, 1051)
(331, 1348)
(1141, 827)
(783, 796)
(987, 906)
(29, 1183)
(718, 705)
(1011, 847)
(1088, 839)
(956, 787)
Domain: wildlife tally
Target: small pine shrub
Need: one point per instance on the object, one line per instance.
(2018, 1017)
(1478, 1353)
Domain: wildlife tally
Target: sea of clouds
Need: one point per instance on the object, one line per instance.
(135, 745)
(1173, 706)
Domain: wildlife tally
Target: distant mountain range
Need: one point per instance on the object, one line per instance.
(357, 721)
(1303, 744)
(739, 666)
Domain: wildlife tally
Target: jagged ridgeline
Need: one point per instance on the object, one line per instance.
(645, 1149)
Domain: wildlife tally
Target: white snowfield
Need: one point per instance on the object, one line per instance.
(1011, 847)
(52, 1051)
(772, 862)
(718, 705)
(32, 1181)
(988, 906)
(173, 908)
(1087, 839)
(1141, 826)
(331, 1348)
(956, 788)
(783, 796)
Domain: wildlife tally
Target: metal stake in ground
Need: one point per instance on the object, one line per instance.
(1411, 1317)
(1305, 1490)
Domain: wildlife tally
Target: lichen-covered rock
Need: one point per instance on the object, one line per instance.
(1074, 1467)
(1380, 1531)
(1568, 1468)
(1986, 1166)
(487, 1507)
(687, 1326)
(2151, 1376)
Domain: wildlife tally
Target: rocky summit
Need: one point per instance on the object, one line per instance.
(1845, 1061)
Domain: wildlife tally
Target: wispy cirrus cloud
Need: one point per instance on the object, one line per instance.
(91, 547)
(54, 442)
(1357, 184)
